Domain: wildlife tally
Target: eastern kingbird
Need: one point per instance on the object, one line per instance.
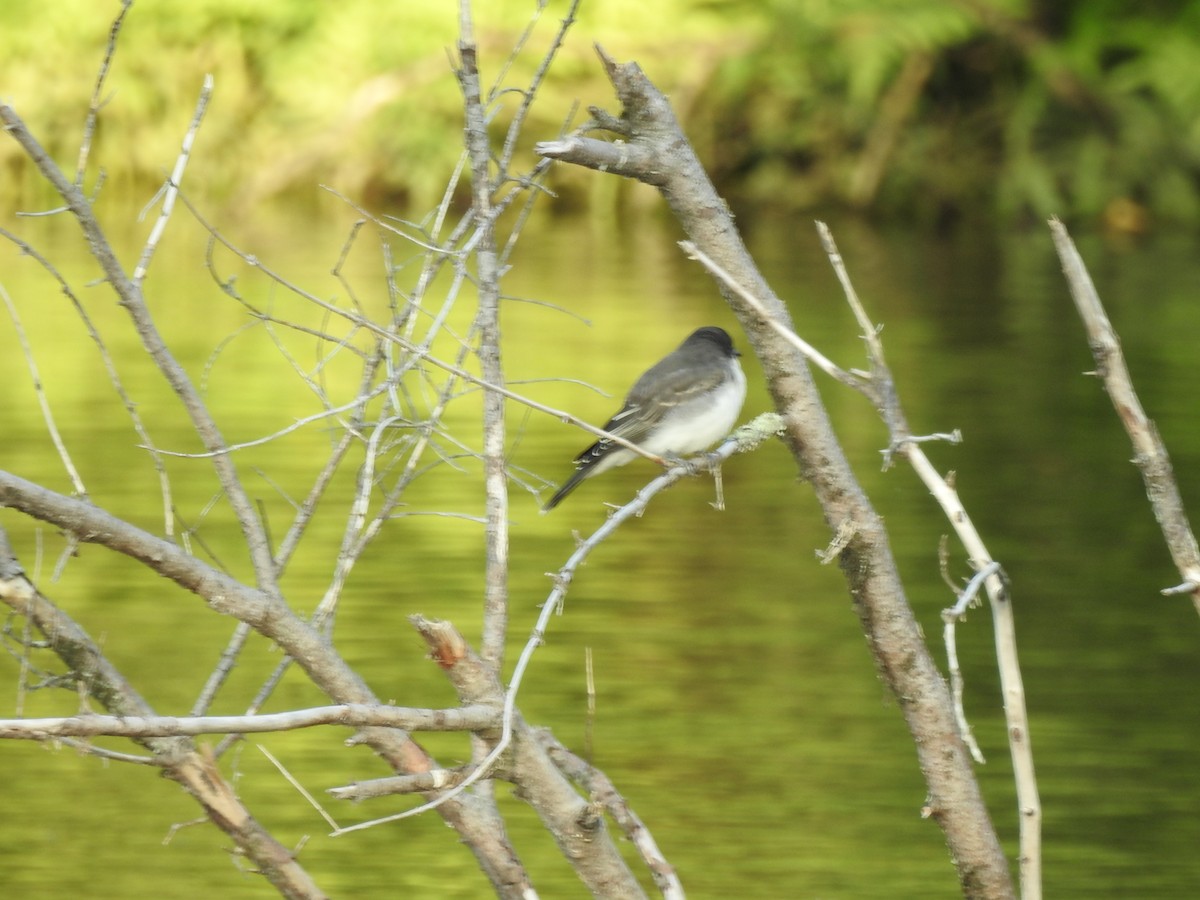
(683, 404)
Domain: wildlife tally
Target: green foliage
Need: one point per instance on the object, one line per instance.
(930, 109)
(359, 95)
(1061, 108)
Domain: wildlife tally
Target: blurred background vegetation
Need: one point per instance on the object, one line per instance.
(930, 111)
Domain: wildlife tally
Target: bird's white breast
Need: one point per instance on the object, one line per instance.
(698, 424)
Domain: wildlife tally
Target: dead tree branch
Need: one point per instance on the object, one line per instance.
(474, 718)
(654, 150)
(1149, 453)
(179, 757)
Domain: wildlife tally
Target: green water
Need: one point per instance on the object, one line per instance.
(737, 707)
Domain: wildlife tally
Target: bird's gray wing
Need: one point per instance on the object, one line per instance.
(672, 386)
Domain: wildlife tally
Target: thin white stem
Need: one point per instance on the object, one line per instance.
(950, 617)
(47, 414)
(1004, 625)
(745, 438)
(300, 789)
(815, 356)
(172, 191)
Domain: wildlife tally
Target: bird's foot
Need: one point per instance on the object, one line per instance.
(692, 465)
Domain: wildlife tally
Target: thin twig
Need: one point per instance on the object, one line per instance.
(879, 387)
(131, 298)
(417, 351)
(97, 101)
(600, 786)
(968, 597)
(815, 356)
(349, 715)
(172, 186)
(487, 323)
(746, 438)
(539, 76)
(43, 402)
(131, 407)
(1004, 625)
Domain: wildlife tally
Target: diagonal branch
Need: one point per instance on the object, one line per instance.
(1012, 684)
(179, 756)
(270, 616)
(576, 826)
(1150, 454)
(880, 388)
(130, 296)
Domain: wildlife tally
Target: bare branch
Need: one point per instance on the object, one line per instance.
(655, 151)
(172, 186)
(131, 408)
(43, 402)
(599, 786)
(1012, 684)
(880, 389)
(528, 95)
(130, 296)
(450, 647)
(1150, 454)
(178, 756)
(417, 352)
(968, 597)
(576, 826)
(300, 788)
(811, 353)
(614, 158)
(416, 783)
(93, 114)
(487, 323)
(745, 439)
(350, 715)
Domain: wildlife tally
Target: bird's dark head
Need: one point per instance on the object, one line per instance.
(712, 334)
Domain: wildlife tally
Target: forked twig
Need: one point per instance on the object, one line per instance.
(744, 439)
(879, 387)
(902, 444)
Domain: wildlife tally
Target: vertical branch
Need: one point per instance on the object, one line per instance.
(879, 387)
(1150, 454)
(518, 119)
(495, 611)
(882, 389)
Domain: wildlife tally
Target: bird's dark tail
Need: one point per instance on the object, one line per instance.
(569, 485)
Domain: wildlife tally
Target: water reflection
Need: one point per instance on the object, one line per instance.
(737, 705)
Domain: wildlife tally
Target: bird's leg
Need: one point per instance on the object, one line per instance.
(697, 464)
(714, 466)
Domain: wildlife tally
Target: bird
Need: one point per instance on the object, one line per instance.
(682, 404)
